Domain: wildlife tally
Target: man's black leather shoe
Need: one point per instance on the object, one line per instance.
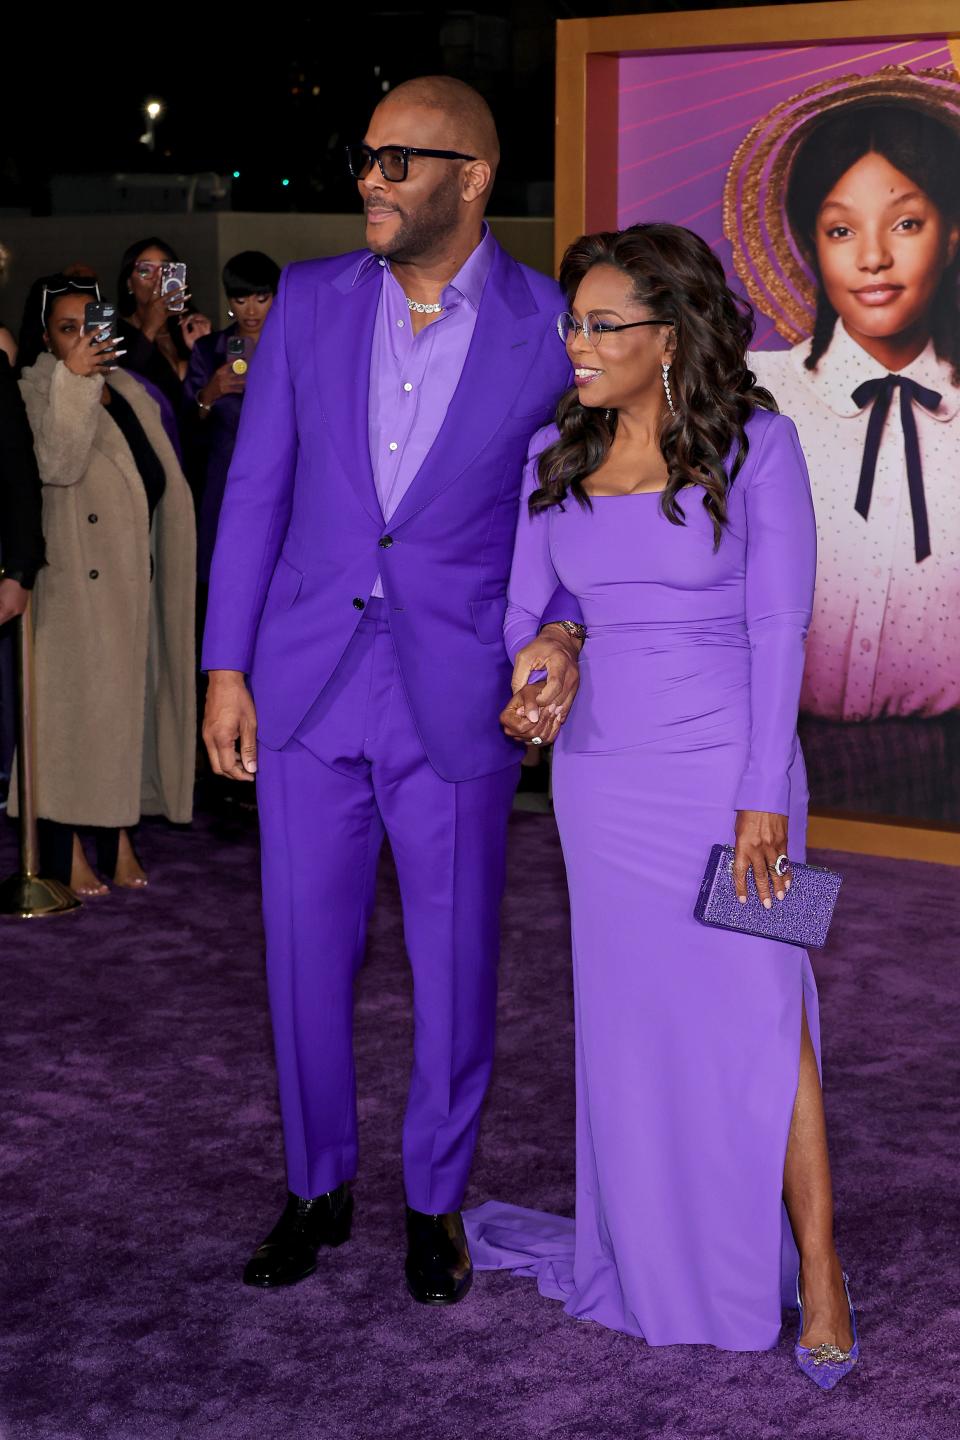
(289, 1252)
(438, 1268)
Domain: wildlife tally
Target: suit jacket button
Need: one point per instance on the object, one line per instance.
(385, 542)
(94, 574)
(358, 604)
(93, 519)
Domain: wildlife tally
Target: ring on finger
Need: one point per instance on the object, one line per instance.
(537, 740)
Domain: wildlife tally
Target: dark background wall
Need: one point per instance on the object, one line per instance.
(269, 94)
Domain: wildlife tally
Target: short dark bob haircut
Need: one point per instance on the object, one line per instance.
(250, 273)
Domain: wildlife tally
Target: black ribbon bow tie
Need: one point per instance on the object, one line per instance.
(881, 392)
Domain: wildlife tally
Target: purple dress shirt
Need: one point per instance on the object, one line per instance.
(413, 377)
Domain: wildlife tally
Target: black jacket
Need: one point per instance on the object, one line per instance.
(21, 532)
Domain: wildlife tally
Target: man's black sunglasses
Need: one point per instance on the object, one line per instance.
(392, 159)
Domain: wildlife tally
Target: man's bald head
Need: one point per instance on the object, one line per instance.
(461, 112)
(438, 207)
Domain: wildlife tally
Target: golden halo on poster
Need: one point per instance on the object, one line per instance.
(765, 256)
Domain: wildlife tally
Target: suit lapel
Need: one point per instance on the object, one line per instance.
(503, 347)
(349, 311)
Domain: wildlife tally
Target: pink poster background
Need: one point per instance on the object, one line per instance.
(682, 115)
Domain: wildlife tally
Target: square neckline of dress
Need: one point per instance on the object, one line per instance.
(627, 494)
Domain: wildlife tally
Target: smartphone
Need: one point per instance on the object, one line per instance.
(100, 315)
(237, 354)
(173, 276)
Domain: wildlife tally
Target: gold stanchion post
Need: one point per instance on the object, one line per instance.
(26, 895)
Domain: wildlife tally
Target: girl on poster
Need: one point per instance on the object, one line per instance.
(871, 198)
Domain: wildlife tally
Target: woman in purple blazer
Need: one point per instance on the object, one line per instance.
(216, 381)
(673, 502)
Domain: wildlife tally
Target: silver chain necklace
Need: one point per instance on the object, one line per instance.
(424, 309)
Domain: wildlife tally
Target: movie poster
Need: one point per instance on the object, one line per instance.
(827, 179)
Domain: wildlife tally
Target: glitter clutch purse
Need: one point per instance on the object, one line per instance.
(801, 918)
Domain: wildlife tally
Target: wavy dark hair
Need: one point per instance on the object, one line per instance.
(915, 143)
(678, 277)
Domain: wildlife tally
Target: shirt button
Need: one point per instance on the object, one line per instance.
(392, 445)
(94, 574)
(92, 519)
(399, 324)
(407, 386)
(864, 644)
(381, 263)
(357, 603)
(385, 542)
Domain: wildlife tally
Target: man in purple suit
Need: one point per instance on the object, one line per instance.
(359, 579)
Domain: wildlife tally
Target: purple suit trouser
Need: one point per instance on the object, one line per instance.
(355, 770)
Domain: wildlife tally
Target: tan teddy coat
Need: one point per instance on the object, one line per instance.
(115, 689)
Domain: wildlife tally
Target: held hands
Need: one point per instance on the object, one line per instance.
(761, 838)
(230, 725)
(538, 710)
(222, 382)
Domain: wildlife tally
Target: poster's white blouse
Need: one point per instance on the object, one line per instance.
(885, 636)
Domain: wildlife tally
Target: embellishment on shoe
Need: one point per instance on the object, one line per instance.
(829, 1355)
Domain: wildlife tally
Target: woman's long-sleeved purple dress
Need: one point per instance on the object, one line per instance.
(687, 1038)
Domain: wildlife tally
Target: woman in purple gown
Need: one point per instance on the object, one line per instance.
(673, 502)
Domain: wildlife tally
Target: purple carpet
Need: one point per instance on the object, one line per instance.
(141, 1162)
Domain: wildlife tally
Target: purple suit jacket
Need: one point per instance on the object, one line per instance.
(302, 538)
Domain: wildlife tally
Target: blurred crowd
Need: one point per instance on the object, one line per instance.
(119, 409)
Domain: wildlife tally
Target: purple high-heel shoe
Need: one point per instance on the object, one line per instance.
(826, 1365)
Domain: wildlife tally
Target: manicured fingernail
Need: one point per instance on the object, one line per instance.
(780, 894)
(768, 904)
(742, 899)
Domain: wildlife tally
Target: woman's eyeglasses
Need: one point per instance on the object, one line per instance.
(593, 328)
(393, 160)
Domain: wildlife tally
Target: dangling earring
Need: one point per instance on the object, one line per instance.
(665, 370)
